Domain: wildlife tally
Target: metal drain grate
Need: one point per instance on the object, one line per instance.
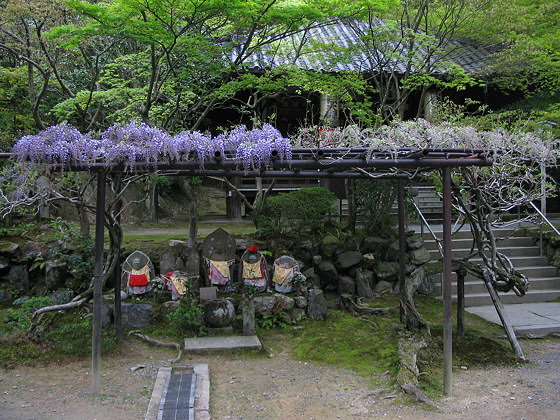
(177, 400)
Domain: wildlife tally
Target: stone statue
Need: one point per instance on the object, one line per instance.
(286, 271)
(218, 251)
(137, 272)
(253, 270)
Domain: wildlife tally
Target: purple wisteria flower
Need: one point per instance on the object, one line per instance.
(255, 148)
(135, 142)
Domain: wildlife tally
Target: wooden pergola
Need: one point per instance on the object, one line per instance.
(401, 164)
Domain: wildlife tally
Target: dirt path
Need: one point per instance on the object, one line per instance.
(249, 386)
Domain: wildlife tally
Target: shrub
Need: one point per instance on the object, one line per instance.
(188, 318)
(299, 214)
(21, 319)
(373, 204)
(80, 260)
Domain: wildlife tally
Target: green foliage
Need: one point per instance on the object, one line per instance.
(274, 320)
(20, 319)
(80, 260)
(15, 109)
(188, 318)
(365, 350)
(304, 213)
(374, 201)
(530, 34)
(70, 335)
(67, 337)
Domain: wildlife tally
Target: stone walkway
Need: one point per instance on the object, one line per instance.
(528, 319)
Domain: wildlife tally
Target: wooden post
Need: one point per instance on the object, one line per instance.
(98, 284)
(447, 271)
(118, 273)
(461, 274)
(502, 314)
(402, 238)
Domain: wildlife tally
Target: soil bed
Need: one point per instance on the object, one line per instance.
(272, 385)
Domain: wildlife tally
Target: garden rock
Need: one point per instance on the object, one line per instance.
(304, 252)
(382, 288)
(317, 307)
(368, 261)
(329, 245)
(136, 315)
(409, 268)
(426, 286)
(264, 304)
(346, 284)
(10, 250)
(170, 306)
(5, 295)
(106, 314)
(375, 245)
(297, 314)
(414, 242)
(55, 275)
(219, 313)
(36, 248)
(393, 251)
(317, 259)
(284, 302)
(387, 271)
(18, 278)
(349, 244)
(555, 260)
(4, 263)
(363, 288)
(328, 274)
(300, 302)
(180, 257)
(312, 277)
(348, 259)
(419, 256)
(61, 297)
(370, 277)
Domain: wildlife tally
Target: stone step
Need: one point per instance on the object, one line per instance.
(475, 286)
(535, 272)
(465, 243)
(519, 262)
(508, 251)
(534, 296)
(465, 233)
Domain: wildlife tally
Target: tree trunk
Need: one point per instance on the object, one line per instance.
(84, 221)
(192, 210)
(409, 315)
(350, 185)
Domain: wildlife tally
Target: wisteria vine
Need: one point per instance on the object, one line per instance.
(253, 149)
(137, 142)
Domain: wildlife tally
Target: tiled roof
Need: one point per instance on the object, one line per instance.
(334, 42)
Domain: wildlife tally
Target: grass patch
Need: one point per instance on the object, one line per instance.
(370, 350)
(348, 342)
(67, 337)
(367, 348)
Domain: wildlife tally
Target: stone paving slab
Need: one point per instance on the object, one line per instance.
(223, 343)
(201, 392)
(526, 318)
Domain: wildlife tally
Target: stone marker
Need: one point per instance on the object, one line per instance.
(317, 307)
(136, 315)
(208, 293)
(248, 311)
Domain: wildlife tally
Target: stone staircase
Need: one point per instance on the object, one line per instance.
(524, 255)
